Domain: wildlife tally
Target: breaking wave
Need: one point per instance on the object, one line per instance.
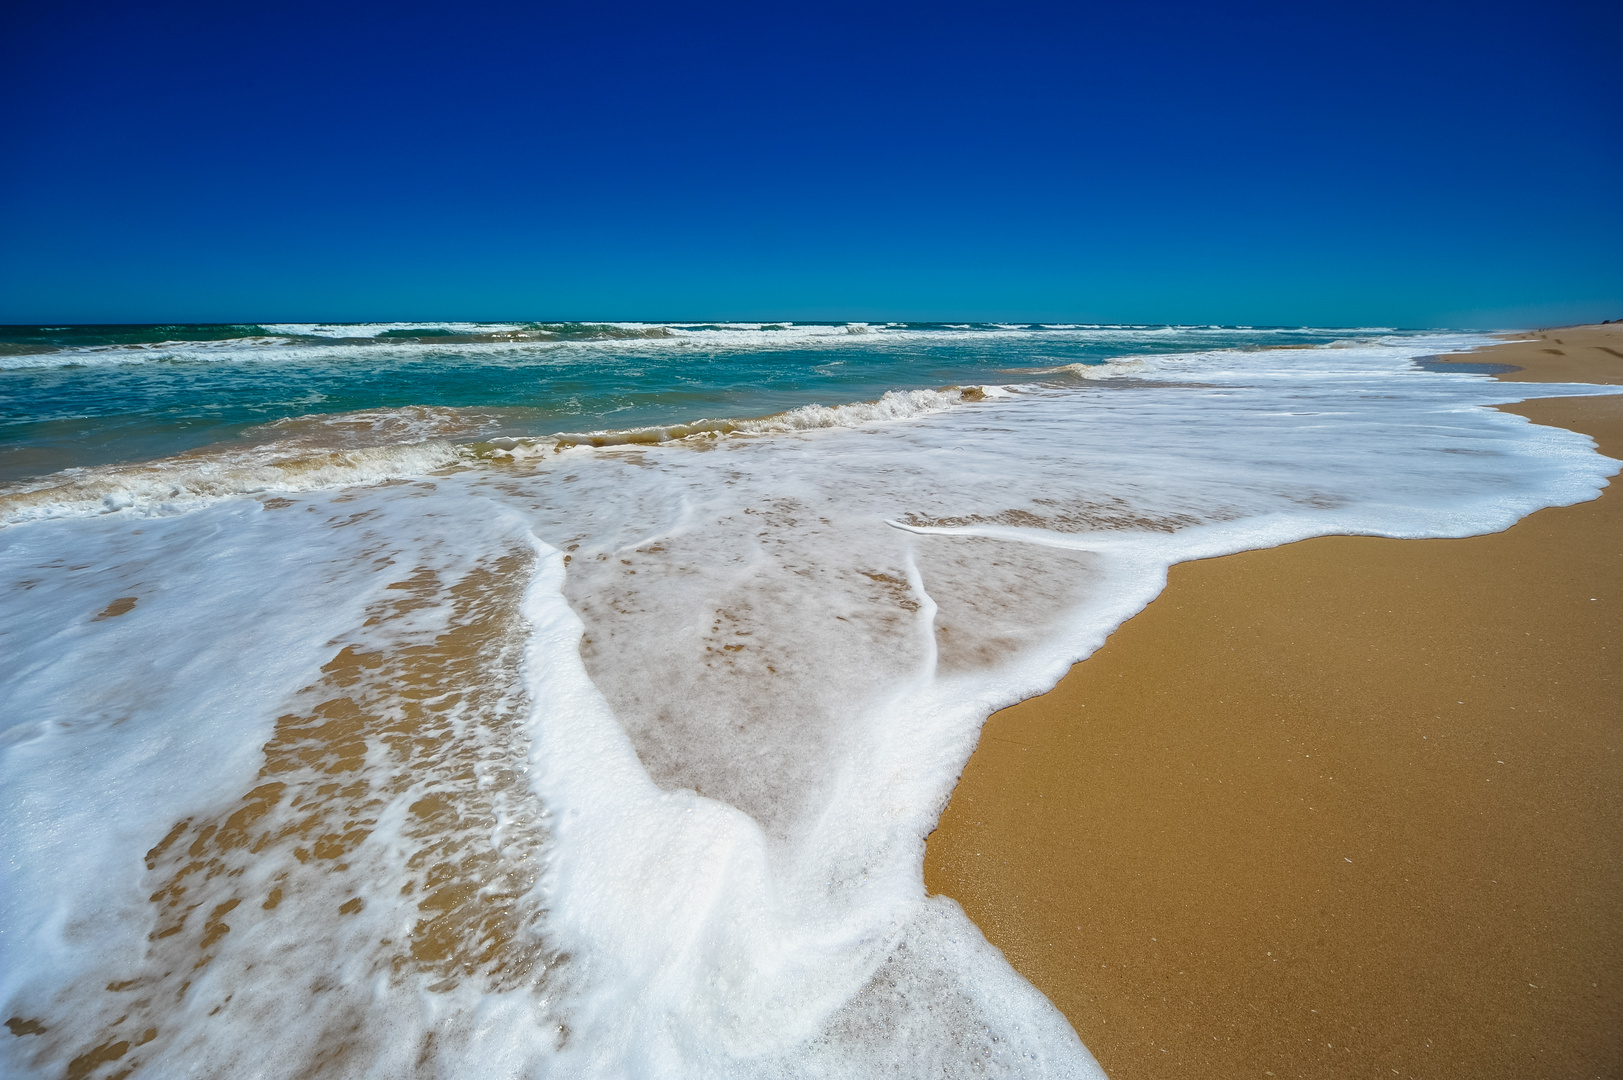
(1108, 370)
(183, 483)
(324, 452)
(893, 405)
(44, 347)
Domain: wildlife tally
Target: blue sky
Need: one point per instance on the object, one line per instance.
(1340, 164)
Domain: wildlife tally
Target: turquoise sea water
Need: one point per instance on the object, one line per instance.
(79, 396)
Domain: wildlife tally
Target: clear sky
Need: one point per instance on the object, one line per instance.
(1359, 163)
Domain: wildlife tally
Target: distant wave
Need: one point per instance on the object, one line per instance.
(58, 346)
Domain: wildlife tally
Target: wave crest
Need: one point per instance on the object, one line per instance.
(177, 484)
(1107, 370)
(376, 427)
(893, 405)
(324, 452)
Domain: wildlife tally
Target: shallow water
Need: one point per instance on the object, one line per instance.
(79, 396)
(442, 736)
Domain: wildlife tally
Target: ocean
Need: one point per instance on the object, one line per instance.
(499, 700)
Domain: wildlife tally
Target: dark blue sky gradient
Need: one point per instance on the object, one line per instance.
(1339, 164)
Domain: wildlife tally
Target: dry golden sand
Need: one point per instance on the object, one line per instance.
(1347, 807)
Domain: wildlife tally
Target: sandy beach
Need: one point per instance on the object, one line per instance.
(1347, 807)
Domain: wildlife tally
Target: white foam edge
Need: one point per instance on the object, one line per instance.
(657, 894)
(180, 485)
(739, 337)
(688, 935)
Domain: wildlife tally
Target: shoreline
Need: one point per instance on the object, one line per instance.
(1349, 806)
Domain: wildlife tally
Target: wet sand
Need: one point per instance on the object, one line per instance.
(1347, 807)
